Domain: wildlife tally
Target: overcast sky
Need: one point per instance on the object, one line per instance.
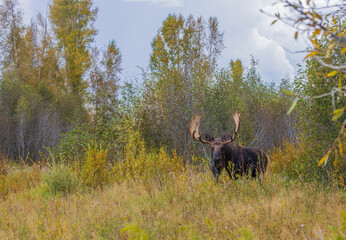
(134, 23)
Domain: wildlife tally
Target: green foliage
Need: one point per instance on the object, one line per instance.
(61, 180)
(135, 232)
(336, 232)
(95, 170)
(321, 129)
(316, 114)
(182, 81)
(293, 160)
(182, 62)
(71, 109)
(32, 118)
(320, 86)
(71, 147)
(104, 81)
(245, 234)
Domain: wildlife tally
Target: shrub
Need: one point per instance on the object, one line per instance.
(135, 232)
(284, 159)
(139, 164)
(71, 147)
(60, 179)
(95, 171)
(299, 160)
(19, 178)
(340, 231)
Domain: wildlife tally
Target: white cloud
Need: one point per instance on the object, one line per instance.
(247, 31)
(274, 64)
(166, 3)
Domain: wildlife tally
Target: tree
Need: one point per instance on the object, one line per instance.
(104, 79)
(34, 109)
(73, 27)
(182, 64)
(11, 22)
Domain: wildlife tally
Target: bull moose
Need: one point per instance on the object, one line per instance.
(225, 153)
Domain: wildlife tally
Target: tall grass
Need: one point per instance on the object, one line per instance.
(298, 160)
(153, 195)
(60, 179)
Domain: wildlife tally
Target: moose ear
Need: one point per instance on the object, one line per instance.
(226, 136)
(209, 137)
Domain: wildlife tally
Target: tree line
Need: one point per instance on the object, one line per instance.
(58, 91)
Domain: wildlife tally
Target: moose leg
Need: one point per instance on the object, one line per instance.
(237, 170)
(216, 173)
(254, 170)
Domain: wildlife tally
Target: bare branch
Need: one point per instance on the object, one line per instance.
(341, 68)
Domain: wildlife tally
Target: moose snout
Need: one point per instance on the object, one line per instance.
(217, 162)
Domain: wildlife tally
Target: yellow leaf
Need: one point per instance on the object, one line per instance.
(340, 147)
(329, 49)
(288, 92)
(333, 73)
(315, 43)
(292, 107)
(337, 113)
(316, 32)
(336, 160)
(324, 159)
(318, 15)
(313, 53)
(343, 51)
(274, 21)
(296, 35)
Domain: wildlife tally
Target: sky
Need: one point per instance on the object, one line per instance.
(134, 23)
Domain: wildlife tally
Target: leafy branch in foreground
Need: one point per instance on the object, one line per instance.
(325, 28)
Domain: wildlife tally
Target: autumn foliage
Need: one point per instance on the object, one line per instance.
(86, 154)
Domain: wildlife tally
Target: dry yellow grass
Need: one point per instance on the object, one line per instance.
(156, 196)
(183, 205)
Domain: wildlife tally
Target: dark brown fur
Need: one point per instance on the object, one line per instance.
(237, 160)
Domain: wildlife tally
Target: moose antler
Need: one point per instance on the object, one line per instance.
(236, 117)
(194, 129)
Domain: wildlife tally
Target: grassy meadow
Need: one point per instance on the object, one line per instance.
(159, 196)
(88, 151)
